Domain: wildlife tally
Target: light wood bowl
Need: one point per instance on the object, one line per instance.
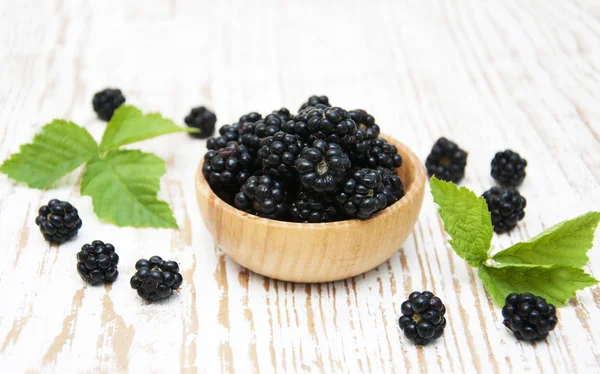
(314, 252)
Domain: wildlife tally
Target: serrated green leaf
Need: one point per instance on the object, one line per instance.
(59, 148)
(124, 187)
(129, 125)
(563, 244)
(466, 219)
(556, 284)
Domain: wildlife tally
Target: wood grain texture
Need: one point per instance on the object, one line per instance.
(488, 74)
(313, 253)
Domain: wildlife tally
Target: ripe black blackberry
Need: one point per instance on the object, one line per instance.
(508, 168)
(156, 279)
(362, 195)
(529, 317)
(279, 153)
(284, 114)
(264, 196)
(365, 122)
(314, 100)
(106, 102)
(423, 318)
(269, 126)
(250, 117)
(378, 153)
(228, 133)
(333, 125)
(313, 207)
(229, 166)
(446, 161)
(506, 206)
(202, 119)
(58, 221)
(392, 185)
(97, 263)
(322, 167)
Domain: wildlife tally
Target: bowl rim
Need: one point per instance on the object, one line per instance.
(411, 193)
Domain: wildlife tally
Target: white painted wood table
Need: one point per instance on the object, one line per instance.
(487, 74)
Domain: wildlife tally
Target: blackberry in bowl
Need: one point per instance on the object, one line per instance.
(306, 247)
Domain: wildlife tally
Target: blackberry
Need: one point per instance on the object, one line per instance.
(106, 102)
(446, 161)
(423, 318)
(508, 168)
(264, 196)
(279, 153)
(333, 125)
(250, 117)
(58, 221)
(529, 317)
(97, 263)
(322, 167)
(269, 126)
(506, 206)
(314, 100)
(202, 119)
(156, 279)
(365, 123)
(284, 114)
(362, 195)
(228, 133)
(392, 185)
(314, 208)
(229, 166)
(378, 153)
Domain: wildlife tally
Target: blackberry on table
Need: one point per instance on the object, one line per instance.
(264, 196)
(314, 100)
(322, 167)
(229, 166)
(313, 207)
(446, 161)
(106, 102)
(528, 316)
(202, 119)
(508, 168)
(156, 279)
(58, 221)
(378, 153)
(506, 206)
(279, 153)
(423, 318)
(362, 195)
(97, 263)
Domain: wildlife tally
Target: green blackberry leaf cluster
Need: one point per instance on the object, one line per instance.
(123, 184)
(315, 166)
(549, 265)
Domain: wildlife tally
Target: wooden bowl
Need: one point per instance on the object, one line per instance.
(314, 252)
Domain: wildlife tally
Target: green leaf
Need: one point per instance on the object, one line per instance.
(128, 125)
(466, 219)
(556, 284)
(563, 244)
(124, 187)
(59, 148)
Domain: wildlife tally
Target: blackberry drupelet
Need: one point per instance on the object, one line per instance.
(362, 195)
(202, 119)
(156, 279)
(58, 221)
(310, 207)
(378, 153)
(423, 318)
(97, 263)
(508, 168)
(446, 161)
(229, 166)
(279, 153)
(263, 196)
(365, 122)
(314, 100)
(322, 167)
(106, 102)
(506, 206)
(529, 317)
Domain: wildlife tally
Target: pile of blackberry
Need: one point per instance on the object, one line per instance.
(322, 164)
